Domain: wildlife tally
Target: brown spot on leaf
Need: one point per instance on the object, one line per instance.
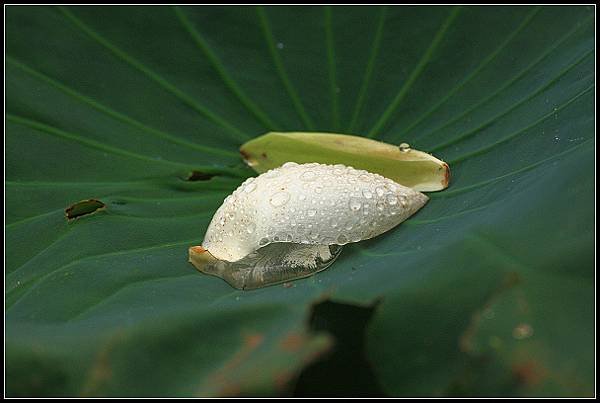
(100, 371)
(253, 340)
(466, 339)
(221, 379)
(292, 342)
(529, 372)
(282, 379)
(84, 207)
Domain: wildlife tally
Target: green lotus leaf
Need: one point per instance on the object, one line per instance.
(133, 117)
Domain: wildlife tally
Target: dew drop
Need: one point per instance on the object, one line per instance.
(380, 190)
(392, 200)
(273, 173)
(311, 213)
(251, 187)
(280, 45)
(222, 220)
(279, 199)
(392, 186)
(289, 165)
(522, 331)
(342, 239)
(263, 241)
(302, 197)
(319, 189)
(404, 147)
(354, 204)
(308, 176)
(367, 193)
(250, 228)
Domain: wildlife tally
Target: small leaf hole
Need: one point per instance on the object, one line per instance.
(83, 207)
(195, 176)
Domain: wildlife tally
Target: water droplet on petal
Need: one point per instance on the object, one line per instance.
(250, 187)
(273, 173)
(289, 164)
(392, 200)
(367, 193)
(380, 190)
(250, 228)
(354, 204)
(308, 176)
(391, 186)
(263, 241)
(279, 199)
(404, 147)
(311, 213)
(342, 239)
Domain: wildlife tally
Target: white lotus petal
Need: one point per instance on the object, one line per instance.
(308, 204)
(289, 222)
